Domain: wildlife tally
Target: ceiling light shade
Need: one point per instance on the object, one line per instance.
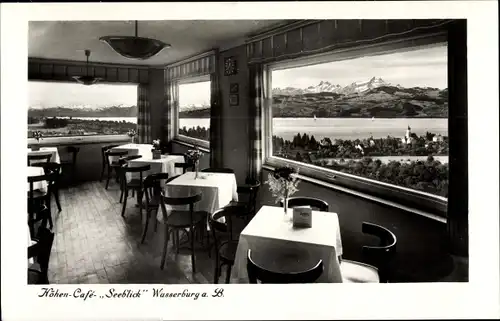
(87, 80)
(134, 47)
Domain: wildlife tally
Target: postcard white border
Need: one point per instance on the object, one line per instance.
(479, 298)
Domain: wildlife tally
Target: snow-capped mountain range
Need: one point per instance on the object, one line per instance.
(326, 86)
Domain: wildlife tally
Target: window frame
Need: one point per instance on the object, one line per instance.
(416, 199)
(82, 139)
(183, 138)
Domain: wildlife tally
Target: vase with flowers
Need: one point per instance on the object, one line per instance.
(156, 149)
(283, 183)
(194, 156)
(36, 135)
(132, 133)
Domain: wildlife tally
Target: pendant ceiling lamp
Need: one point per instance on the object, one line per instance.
(87, 80)
(135, 47)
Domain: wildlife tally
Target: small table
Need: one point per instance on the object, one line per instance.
(44, 151)
(166, 164)
(218, 190)
(37, 171)
(134, 149)
(269, 231)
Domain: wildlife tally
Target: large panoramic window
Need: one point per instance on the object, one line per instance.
(380, 117)
(194, 110)
(70, 109)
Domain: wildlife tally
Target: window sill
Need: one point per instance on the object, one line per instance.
(192, 142)
(78, 140)
(190, 145)
(324, 183)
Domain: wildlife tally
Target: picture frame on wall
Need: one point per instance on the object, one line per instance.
(234, 99)
(234, 88)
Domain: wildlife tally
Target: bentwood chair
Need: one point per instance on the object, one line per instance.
(135, 184)
(315, 203)
(38, 272)
(226, 235)
(113, 164)
(377, 259)
(39, 201)
(55, 169)
(38, 158)
(218, 170)
(182, 220)
(258, 273)
(104, 149)
(71, 161)
(247, 196)
(152, 191)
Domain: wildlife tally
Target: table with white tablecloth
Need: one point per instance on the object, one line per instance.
(133, 149)
(269, 231)
(44, 151)
(166, 164)
(37, 171)
(218, 190)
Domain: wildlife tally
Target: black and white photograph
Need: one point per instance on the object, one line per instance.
(347, 159)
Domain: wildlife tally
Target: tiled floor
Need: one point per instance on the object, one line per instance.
(95, 244)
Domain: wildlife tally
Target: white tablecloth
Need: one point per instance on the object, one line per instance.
(268, 231)
(43, 151)
(163, 165)
(218, 190)
(134, 149)
(37, 171)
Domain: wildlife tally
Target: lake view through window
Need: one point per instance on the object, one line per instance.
(382, 117)
(194, 110)
(71, 109)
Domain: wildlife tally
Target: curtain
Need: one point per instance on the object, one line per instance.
(215, 122)
(257, 100)
(170, 104)
(143, 115)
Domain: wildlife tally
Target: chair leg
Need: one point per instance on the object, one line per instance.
(146, 224)
(177, 240)
(102, 172)
(124, 202)
(139, 200)
(216, 272)
(228, 273)
(108, 178)
(165, 245)
(56, 196)
(193, 263)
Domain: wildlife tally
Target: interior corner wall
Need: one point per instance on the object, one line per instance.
(156, 98)
(235, 117)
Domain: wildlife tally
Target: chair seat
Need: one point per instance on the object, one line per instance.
(227, 251)
(38, 193)
(357, 272)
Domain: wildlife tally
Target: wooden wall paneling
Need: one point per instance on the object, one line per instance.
(279, 44)
(46, 71)
(59, 71)
(100, 72)
(311, 37)
(371, 29)
(294, 41)
(398, 25)
(327, 32)
(123, 74)
(112, 74)
(133, 75)
(143, 76)
(267, 47)
(347, 31)
(76, 71)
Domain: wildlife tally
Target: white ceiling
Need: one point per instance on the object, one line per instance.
(67, 40)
